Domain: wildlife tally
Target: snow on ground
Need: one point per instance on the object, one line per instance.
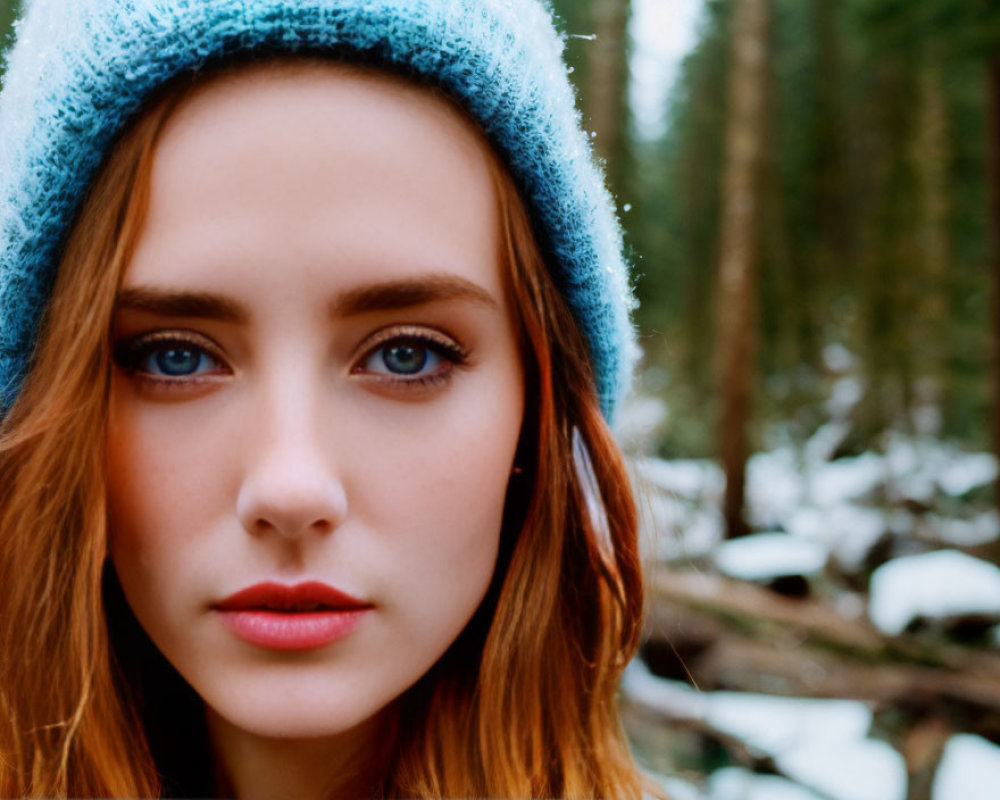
(945, 583)
(732, 783)
(852, 769)
(967, 471)
(849, 532)
(640, 418)
(814, 509)
(692, 479)
(672, 698)
(821, 744)
(681, 790)
(678, 533)
(862, 769)
(980, 529)
(774, 489)
(838, 504)
(781, 725)
(679, 507)
(845, 480)
(969, 770)
(766, 556)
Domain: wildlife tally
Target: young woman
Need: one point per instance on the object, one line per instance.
(313, 312)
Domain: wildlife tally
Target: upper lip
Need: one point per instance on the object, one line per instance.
(309, 596)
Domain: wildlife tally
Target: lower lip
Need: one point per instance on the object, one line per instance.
(304, 630)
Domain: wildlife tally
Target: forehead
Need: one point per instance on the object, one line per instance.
(320, 166)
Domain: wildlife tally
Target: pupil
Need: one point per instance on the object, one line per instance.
(178, 361)
(406, 358)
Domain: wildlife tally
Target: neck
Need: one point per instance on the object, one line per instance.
(253, 767)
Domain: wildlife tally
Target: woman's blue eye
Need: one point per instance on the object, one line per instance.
(177, 361)
(166, 358)
(407, 358)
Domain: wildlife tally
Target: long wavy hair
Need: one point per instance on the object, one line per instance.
(521, 705)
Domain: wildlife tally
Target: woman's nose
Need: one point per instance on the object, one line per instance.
(290, 487)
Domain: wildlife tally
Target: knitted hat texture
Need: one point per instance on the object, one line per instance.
(80, 70)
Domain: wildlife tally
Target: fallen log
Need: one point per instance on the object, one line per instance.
(748, 638)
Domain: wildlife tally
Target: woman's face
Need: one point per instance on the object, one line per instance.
(317, 393)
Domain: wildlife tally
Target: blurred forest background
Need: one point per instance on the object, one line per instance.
(816, 233)
(815, 229)
(872, 245)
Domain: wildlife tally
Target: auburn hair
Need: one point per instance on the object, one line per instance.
(522, 705)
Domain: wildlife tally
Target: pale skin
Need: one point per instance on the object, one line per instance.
(317, 378)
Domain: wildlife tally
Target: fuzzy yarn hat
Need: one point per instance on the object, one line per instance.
(79, 70)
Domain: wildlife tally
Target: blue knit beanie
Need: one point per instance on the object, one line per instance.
(79, 70)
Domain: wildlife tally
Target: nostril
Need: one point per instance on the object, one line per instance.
(261, 525)
(291, 488)
(291, 524)
(268, 506)
(322, 526)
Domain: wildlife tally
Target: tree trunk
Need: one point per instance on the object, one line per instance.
(606, 100)
(922, 747)
(994, 139)
(931, 157)
(739, 245)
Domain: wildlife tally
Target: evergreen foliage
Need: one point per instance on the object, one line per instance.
(876, 234)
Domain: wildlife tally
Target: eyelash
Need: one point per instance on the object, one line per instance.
(442, 346)
(132, 353)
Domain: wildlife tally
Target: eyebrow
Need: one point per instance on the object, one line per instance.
(170, 303)
(385, 296)
(408, 292)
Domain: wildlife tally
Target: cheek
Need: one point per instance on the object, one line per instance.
(165, 460)
(434, 496)
(450, 461)
(162, 488)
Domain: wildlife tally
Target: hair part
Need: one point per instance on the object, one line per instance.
(523, 704)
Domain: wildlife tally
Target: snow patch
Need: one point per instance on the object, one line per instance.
(837, 358)
(733, 783)
(967, 471)
(673, 698)
(980, 529)
(774, 489)
(844, 395)
(688, 478)
(639, 421)
(821, 743)
(822, 445)
(680, 790)
(676, 531)
(934, 585)
(849, 532)
(969, 770)
(777, 725)
(847, 479)
(766, 556)
(864, 769)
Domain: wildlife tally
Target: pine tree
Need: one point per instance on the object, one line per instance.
(737, 323)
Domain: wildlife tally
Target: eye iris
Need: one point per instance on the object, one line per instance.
(405, 359)
(178, 361)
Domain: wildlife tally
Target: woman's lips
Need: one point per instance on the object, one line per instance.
(300, 617)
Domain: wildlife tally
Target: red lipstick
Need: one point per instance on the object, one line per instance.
(300, 617)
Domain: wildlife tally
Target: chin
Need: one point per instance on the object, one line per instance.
(293, 724)
(302, 710)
